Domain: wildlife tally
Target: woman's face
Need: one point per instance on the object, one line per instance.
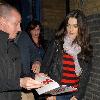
(35, 32)
(72, 28)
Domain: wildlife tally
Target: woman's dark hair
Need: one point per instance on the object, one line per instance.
(32, 25)
(83, 38)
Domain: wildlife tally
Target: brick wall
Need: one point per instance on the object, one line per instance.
(93, 88)
(53, 12)
(89, 7)
(92, 10)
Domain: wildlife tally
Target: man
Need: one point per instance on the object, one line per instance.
(10, 67)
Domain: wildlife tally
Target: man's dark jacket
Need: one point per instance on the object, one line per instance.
(10, 69)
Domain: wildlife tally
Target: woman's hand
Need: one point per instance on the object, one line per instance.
(51, 98)
(36, 67)
(73, 98)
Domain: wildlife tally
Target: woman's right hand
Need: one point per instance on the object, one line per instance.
(73, 98)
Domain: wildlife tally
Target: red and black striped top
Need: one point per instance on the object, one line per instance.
(69, 76)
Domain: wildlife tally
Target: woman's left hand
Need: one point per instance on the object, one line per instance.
(73, 98)
(36, 67)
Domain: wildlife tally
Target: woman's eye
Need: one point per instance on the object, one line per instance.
(68, 25)
(75, 26)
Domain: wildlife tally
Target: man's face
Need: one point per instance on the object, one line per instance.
(13, 24)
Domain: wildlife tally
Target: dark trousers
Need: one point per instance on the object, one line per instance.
(66, 96)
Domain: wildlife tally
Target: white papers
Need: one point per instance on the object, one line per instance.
(47, 87)
(50, 86)
(61, 89)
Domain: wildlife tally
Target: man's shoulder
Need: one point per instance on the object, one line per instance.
(3, 35)
(23, 38)
(23, 35)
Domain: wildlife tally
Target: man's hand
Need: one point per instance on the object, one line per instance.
(36, 67)
(29, 83)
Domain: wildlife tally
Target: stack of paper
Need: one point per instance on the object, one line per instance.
(50, 86)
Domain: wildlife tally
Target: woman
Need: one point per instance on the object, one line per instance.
(34, 31)
(68, 59)
(31, 53)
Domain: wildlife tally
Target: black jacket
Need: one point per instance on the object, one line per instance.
(52, 65)
(10, 69)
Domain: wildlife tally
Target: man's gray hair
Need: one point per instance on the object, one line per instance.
(5, 10)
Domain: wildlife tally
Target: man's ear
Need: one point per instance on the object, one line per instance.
(3, 21)
(3, 24)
